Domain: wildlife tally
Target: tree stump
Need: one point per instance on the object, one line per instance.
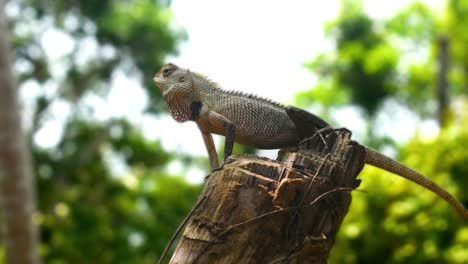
(257, 210)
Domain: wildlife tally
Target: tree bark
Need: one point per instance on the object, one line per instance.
(257, 210)
(17, 199)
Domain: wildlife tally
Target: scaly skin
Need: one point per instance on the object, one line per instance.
(257, 122)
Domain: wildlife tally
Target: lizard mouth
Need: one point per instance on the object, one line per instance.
(159, 80)
(164, 85)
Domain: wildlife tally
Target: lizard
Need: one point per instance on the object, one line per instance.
(258, 122)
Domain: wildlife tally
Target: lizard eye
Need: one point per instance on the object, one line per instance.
(166, 72)
(182, 79)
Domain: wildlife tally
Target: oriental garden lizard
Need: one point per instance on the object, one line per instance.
(257, 122)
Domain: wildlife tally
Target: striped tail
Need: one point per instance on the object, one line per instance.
(381, 161)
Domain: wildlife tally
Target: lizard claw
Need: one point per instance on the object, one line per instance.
(321, 133)
(222, 165)
(218, 168)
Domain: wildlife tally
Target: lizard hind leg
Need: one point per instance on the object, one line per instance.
(217, 121)
(229, 141)
(307, 124)
(228, 144)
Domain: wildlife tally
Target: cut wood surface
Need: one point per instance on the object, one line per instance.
(257, 210)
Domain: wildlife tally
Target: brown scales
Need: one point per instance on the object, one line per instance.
(258, 122)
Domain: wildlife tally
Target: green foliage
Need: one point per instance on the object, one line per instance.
(135, 148)
(328, 91)
(364, 64)
(141, 28)
(420, 78)
(88, 214)
(91, 212)
(454, 27)
(375, 60)
(416, 21)
(104, 195)
(136, 35)
(416, 28)
(125, 220)
(395, 221)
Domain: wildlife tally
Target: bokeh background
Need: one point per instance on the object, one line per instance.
(115, 174)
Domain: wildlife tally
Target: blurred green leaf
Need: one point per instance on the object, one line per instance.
(397, 221)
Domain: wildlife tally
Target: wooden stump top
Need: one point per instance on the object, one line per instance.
(257, 210)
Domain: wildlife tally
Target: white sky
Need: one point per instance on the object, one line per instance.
(258, 47)
(261, 46)
(254, 46)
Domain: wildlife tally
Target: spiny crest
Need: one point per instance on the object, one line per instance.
(215, 85)
(206, 79)
(255, 97)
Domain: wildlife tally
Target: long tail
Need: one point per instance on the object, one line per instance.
(381, 161)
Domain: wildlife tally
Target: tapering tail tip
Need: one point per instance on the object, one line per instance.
(465, 214)
(379, 160)
(461, 210)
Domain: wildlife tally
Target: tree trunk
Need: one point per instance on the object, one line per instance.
(442, 80)
(257, 210)
(17, 203)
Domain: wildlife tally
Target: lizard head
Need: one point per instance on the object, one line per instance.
(172, 77)
(176, 88)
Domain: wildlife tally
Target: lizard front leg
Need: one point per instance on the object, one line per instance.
(210, 147)
(217, 120)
